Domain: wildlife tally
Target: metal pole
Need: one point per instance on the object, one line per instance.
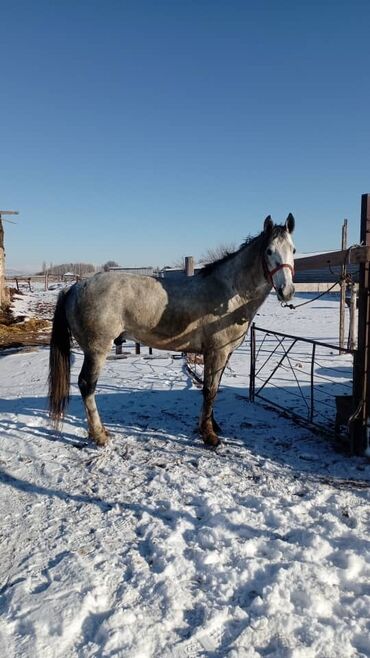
(312, 410)
(342, 305)
(252, 372)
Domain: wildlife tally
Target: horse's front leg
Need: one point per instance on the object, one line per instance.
(91, 367)
(214, 365)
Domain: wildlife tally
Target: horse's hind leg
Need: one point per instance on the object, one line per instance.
(91, 367)
(216, 426)
(214, 365)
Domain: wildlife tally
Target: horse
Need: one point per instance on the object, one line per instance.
(208, 313)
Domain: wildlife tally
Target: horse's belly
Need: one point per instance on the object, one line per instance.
(176, 343)
(188, 340)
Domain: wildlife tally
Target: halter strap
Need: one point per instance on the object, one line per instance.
(270, 273)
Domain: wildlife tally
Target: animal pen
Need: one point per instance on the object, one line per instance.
(282, 364)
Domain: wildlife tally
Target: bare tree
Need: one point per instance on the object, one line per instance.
(108, 264)
(216, 253)
(76, 268)
(179, 263)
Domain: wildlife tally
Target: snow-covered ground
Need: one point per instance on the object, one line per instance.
(157, 548)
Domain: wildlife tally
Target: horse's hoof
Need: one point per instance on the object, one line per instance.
(100, 439)
(211, 440)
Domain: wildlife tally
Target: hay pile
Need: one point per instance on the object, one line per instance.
(20, 331)
(24, 333)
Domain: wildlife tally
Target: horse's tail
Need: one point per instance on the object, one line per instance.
(59, 362)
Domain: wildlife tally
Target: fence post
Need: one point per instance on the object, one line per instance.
(2, 264)
(189, 265)
(343, 285)
(352, 319)
(312, 405)
(361, 375)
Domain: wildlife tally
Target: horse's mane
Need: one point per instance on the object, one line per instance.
(260, 241)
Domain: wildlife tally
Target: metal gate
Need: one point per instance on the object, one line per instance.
(303, 378)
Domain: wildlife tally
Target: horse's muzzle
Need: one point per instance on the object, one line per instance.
(285, 293)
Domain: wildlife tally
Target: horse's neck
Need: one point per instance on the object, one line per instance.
(248, 273)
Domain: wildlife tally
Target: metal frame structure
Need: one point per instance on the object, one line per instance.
(283, 357)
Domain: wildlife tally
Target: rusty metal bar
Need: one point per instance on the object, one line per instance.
(304, 340)
(271, 354)
(277, 366)
(252, 373)
(312, 406)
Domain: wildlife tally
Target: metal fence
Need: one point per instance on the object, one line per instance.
(302, 377)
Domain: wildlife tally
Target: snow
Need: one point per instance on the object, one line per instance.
(157, 547)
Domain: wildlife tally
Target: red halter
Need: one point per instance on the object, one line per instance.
(270, 273)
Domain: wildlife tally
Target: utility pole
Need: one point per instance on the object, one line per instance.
(2, 253)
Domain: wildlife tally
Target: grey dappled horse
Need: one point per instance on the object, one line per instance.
(208, 314)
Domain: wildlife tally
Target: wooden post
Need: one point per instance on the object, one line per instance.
(137, 348)
(189, 265)
(343, 285)
(352, 319)
(3, 292)
(2, 264)
(361, 375)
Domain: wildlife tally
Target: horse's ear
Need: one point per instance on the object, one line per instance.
(290, 223)
(268, 225)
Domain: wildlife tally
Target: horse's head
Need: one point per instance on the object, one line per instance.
(278, 261)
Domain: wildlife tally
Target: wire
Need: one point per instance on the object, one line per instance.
(343, 277)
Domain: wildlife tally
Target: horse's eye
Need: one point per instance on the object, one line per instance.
(294, 250)
(268, 252)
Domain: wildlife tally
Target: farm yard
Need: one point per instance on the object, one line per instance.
(155, 546)
(221, 149)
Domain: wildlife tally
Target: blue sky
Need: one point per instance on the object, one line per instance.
(143, 131)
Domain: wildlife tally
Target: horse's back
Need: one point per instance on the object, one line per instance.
(108, 303)
(183, 316)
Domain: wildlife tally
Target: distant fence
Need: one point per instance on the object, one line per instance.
(23, 282)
